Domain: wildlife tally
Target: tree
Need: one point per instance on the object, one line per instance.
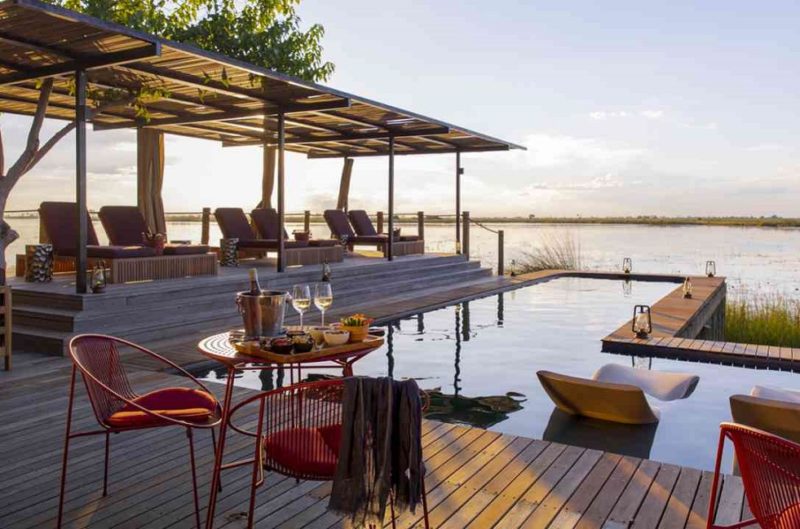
(263, 32)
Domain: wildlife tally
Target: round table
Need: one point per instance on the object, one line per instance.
(220, 349)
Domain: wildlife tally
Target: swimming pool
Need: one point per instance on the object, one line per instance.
(483, 355)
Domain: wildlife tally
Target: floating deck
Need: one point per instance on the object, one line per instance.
(476, 478)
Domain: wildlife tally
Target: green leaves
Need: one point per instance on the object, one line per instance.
(267, 33)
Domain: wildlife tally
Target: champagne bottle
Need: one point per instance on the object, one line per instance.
(326, 272)
(255, 288)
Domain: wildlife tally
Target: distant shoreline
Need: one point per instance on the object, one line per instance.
(754, 222)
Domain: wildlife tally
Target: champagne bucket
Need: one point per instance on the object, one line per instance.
(262, 315)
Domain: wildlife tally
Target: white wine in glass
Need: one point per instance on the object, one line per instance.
(323, 298)
(301, 300)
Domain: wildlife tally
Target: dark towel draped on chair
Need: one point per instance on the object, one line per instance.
(381, 449)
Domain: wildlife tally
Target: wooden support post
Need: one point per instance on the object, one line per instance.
(501, 269)
(465, 240)
(8, 329)
(205, 226)
(421, 224)
(307, 221)
(458, 201)
(380, 222)
(390, 244)
(80, 181)
(281, 265)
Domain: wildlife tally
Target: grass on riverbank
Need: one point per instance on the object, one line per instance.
(764, 320)
(555, 251)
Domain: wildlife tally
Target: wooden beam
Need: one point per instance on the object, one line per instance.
(443, 151)
(22, 42)
(232, 115)
(80, 181)
(83, 64)
(345, 137)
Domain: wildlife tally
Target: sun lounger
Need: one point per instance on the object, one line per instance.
(267, 225)
(623, 403)
(773, 410)
(364, 228)
(125, 226)
(125, 262)
(234, 225)
(340, 226)
(617, 393)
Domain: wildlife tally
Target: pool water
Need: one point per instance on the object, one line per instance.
(482, 356)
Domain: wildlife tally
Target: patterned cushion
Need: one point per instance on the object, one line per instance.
(307, 452)
(185, 404)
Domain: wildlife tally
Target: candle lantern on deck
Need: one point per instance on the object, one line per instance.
(627, 265)
(711, 268)
(642, 324)
(98, 277)
(687, 288)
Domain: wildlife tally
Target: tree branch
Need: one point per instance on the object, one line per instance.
(19, 168)
(2, 156)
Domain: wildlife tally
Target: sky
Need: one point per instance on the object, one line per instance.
(626, 108)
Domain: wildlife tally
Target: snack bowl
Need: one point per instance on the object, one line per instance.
(302, 343)
(281, 346)
(336, 337)
(318, 333)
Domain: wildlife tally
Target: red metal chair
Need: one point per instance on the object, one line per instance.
(118, 408)
(770, 468)
(299, 428)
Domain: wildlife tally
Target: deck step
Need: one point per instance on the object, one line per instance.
(44, 322)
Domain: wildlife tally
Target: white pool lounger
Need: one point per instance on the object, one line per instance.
(616, 393)
(770, 409)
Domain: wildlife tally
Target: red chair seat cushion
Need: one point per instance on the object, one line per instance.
(304, 452)
(187, 404)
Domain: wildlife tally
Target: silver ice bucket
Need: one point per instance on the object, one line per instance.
(262, 315)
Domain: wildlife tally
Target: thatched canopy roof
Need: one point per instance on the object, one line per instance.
(192, 92)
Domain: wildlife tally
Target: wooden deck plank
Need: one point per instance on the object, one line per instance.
(655, 502)
(585, 494)
(628, 504)
(699, 512)
(680, 502)
(731, 500)
(604, 502)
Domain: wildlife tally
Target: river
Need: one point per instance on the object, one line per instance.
(763, 260)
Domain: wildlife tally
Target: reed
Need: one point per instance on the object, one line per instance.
(763, 319)
(555, 251)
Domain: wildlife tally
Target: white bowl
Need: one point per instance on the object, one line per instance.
(336, 337)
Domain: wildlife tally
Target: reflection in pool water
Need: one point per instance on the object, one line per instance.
(493, 346)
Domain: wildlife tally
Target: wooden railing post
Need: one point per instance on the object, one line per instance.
(307, 221)
(206, 226)
(421, 224)
(465, 235)
(380, 222)
(501, 269)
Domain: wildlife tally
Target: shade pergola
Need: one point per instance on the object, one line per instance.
(191, 92)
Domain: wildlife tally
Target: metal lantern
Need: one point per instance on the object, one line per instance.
(627, 288)
(99, 279)
(229, 252)
(627, 265)
(711, 268)
(642, 324)
(687, 288)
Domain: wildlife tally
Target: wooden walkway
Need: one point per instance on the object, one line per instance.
(476, 478)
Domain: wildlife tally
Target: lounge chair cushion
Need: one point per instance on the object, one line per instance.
(322, 242)
(361, 223)
(781, 395)
(234, 224)
(289, 449)
(124, 225)
(662, 385)
(338, 223)
(606, 401)
(267, 221)
(118, 252)
(59, 221)
(185, 404)
(271, 244)
(185, 249)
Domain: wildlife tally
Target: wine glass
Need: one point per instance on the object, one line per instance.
(323, 298)
(301, 300)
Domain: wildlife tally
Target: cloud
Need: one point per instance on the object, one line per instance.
(766, 147)
(602, 114)
(652, 114)
(546, 150)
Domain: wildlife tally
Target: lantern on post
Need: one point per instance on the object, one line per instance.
(687, 288)
(642, 324)
(627, 265)
(711, 268)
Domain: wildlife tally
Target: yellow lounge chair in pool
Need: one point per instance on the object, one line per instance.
(616, 393)
(773, 410)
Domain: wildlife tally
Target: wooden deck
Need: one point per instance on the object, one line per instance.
(476, 478)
